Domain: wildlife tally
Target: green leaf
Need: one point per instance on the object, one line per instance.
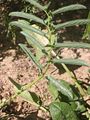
(68, 8)
(39, 54)
(89, 70)
(53, 90)
(35, 98)
(62, 86)
(31, 56)
(72, 45)
(27, 16)
(80, 107)
(87, 30)
(88, 90)
(35, 43)
(73, 105)
(33, 40)
(72, 23)
(25, 25)
(27, 96)
(17, 85)
(62, 111)
(70, 62)
(36, 4)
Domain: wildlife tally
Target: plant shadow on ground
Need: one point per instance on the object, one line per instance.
(32, 116)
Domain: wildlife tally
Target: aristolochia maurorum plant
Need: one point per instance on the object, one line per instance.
(68, 100)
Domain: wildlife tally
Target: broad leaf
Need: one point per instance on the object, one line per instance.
(31, 56)
(27, 16)
(53, 90)
(71, 62)
(78, 106)
(25, 25)
(32, 40)
(72, 45)
(17, 85)
(62, 111)
(72, 23)
(73, 105)
(39, 54)
(68, 8)
(27, 96)
(61, 86)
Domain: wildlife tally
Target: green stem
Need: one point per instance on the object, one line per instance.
(74, 79)
(64, 66)
(71, 75)
(49, 26)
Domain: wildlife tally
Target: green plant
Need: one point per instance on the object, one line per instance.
(68, 100)
(87, 30)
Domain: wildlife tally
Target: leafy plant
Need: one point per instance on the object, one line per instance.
(68, 102)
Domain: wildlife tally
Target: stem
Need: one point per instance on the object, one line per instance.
(74, 79)
(64, 66)
(71, 75)
(49, 26)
